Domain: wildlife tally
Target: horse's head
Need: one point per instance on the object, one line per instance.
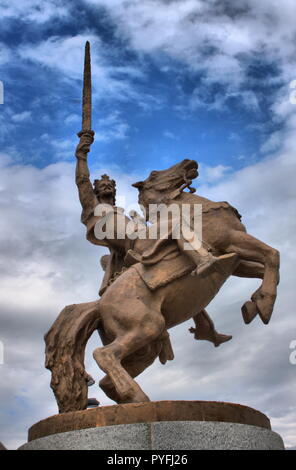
(165, 185)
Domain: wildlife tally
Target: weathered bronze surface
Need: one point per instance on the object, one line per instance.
(151, 285)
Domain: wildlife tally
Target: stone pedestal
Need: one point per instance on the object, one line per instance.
(163, 425)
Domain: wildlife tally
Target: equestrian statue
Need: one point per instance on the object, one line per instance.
(150, 283)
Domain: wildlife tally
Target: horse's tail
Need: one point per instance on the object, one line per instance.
(65, 346)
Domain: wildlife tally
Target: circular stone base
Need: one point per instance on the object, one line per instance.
(165, 435)
(165, 425)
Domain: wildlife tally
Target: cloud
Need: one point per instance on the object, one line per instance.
(32, 10)
(47, 261)
(272, 143)
(72, 118)
(112, 127)
(65, 56)
(211, 174)
(6, 119)
(218, 39)
(191, 27)
(20, 117)
(63, 53)
(5, 54)
(169, 135)
(234, 137)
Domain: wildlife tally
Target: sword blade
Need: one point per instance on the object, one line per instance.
(86, 98)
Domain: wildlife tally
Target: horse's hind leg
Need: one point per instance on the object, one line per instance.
(130, 316)
(249, 248)
(148, 326)
(134, 364)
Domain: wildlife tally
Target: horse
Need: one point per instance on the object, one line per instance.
(134, 318)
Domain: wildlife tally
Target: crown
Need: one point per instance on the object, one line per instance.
(105, 178)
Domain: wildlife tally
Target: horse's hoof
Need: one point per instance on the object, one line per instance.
(132, 394)
(90, 382)
(265, 305)
(140, 398)
(249, 311)
(92, 402)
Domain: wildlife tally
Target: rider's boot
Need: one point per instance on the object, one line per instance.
(205, 329)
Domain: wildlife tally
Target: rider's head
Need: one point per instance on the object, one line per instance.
(105, 188)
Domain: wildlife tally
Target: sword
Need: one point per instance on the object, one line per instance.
(86, 97)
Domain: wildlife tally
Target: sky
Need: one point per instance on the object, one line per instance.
(202, 79)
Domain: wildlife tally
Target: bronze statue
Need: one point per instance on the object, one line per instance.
(150, 284)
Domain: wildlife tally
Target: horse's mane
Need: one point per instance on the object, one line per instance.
(187, 198)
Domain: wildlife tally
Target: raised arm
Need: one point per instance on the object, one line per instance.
(87, 196)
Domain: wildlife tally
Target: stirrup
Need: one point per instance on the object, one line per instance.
(205, 265)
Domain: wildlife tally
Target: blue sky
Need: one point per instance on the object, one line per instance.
(172, 79)
(149, 108)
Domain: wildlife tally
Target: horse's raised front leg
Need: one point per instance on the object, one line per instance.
(251, 269)
(130, 318)
(251, 249)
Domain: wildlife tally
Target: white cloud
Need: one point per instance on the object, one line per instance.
(169, 135)
(272, 143)
(63, 149)
(20, 117)
(47, 261)
(112, 127)
(32, 10)
(211, 174)
(62, 144)
(6, 124)
(65, 55)
(183, 29)
(5, 54)
(72, 118)
(217, 38)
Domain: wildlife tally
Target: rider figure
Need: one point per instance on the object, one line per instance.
(103, 192)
